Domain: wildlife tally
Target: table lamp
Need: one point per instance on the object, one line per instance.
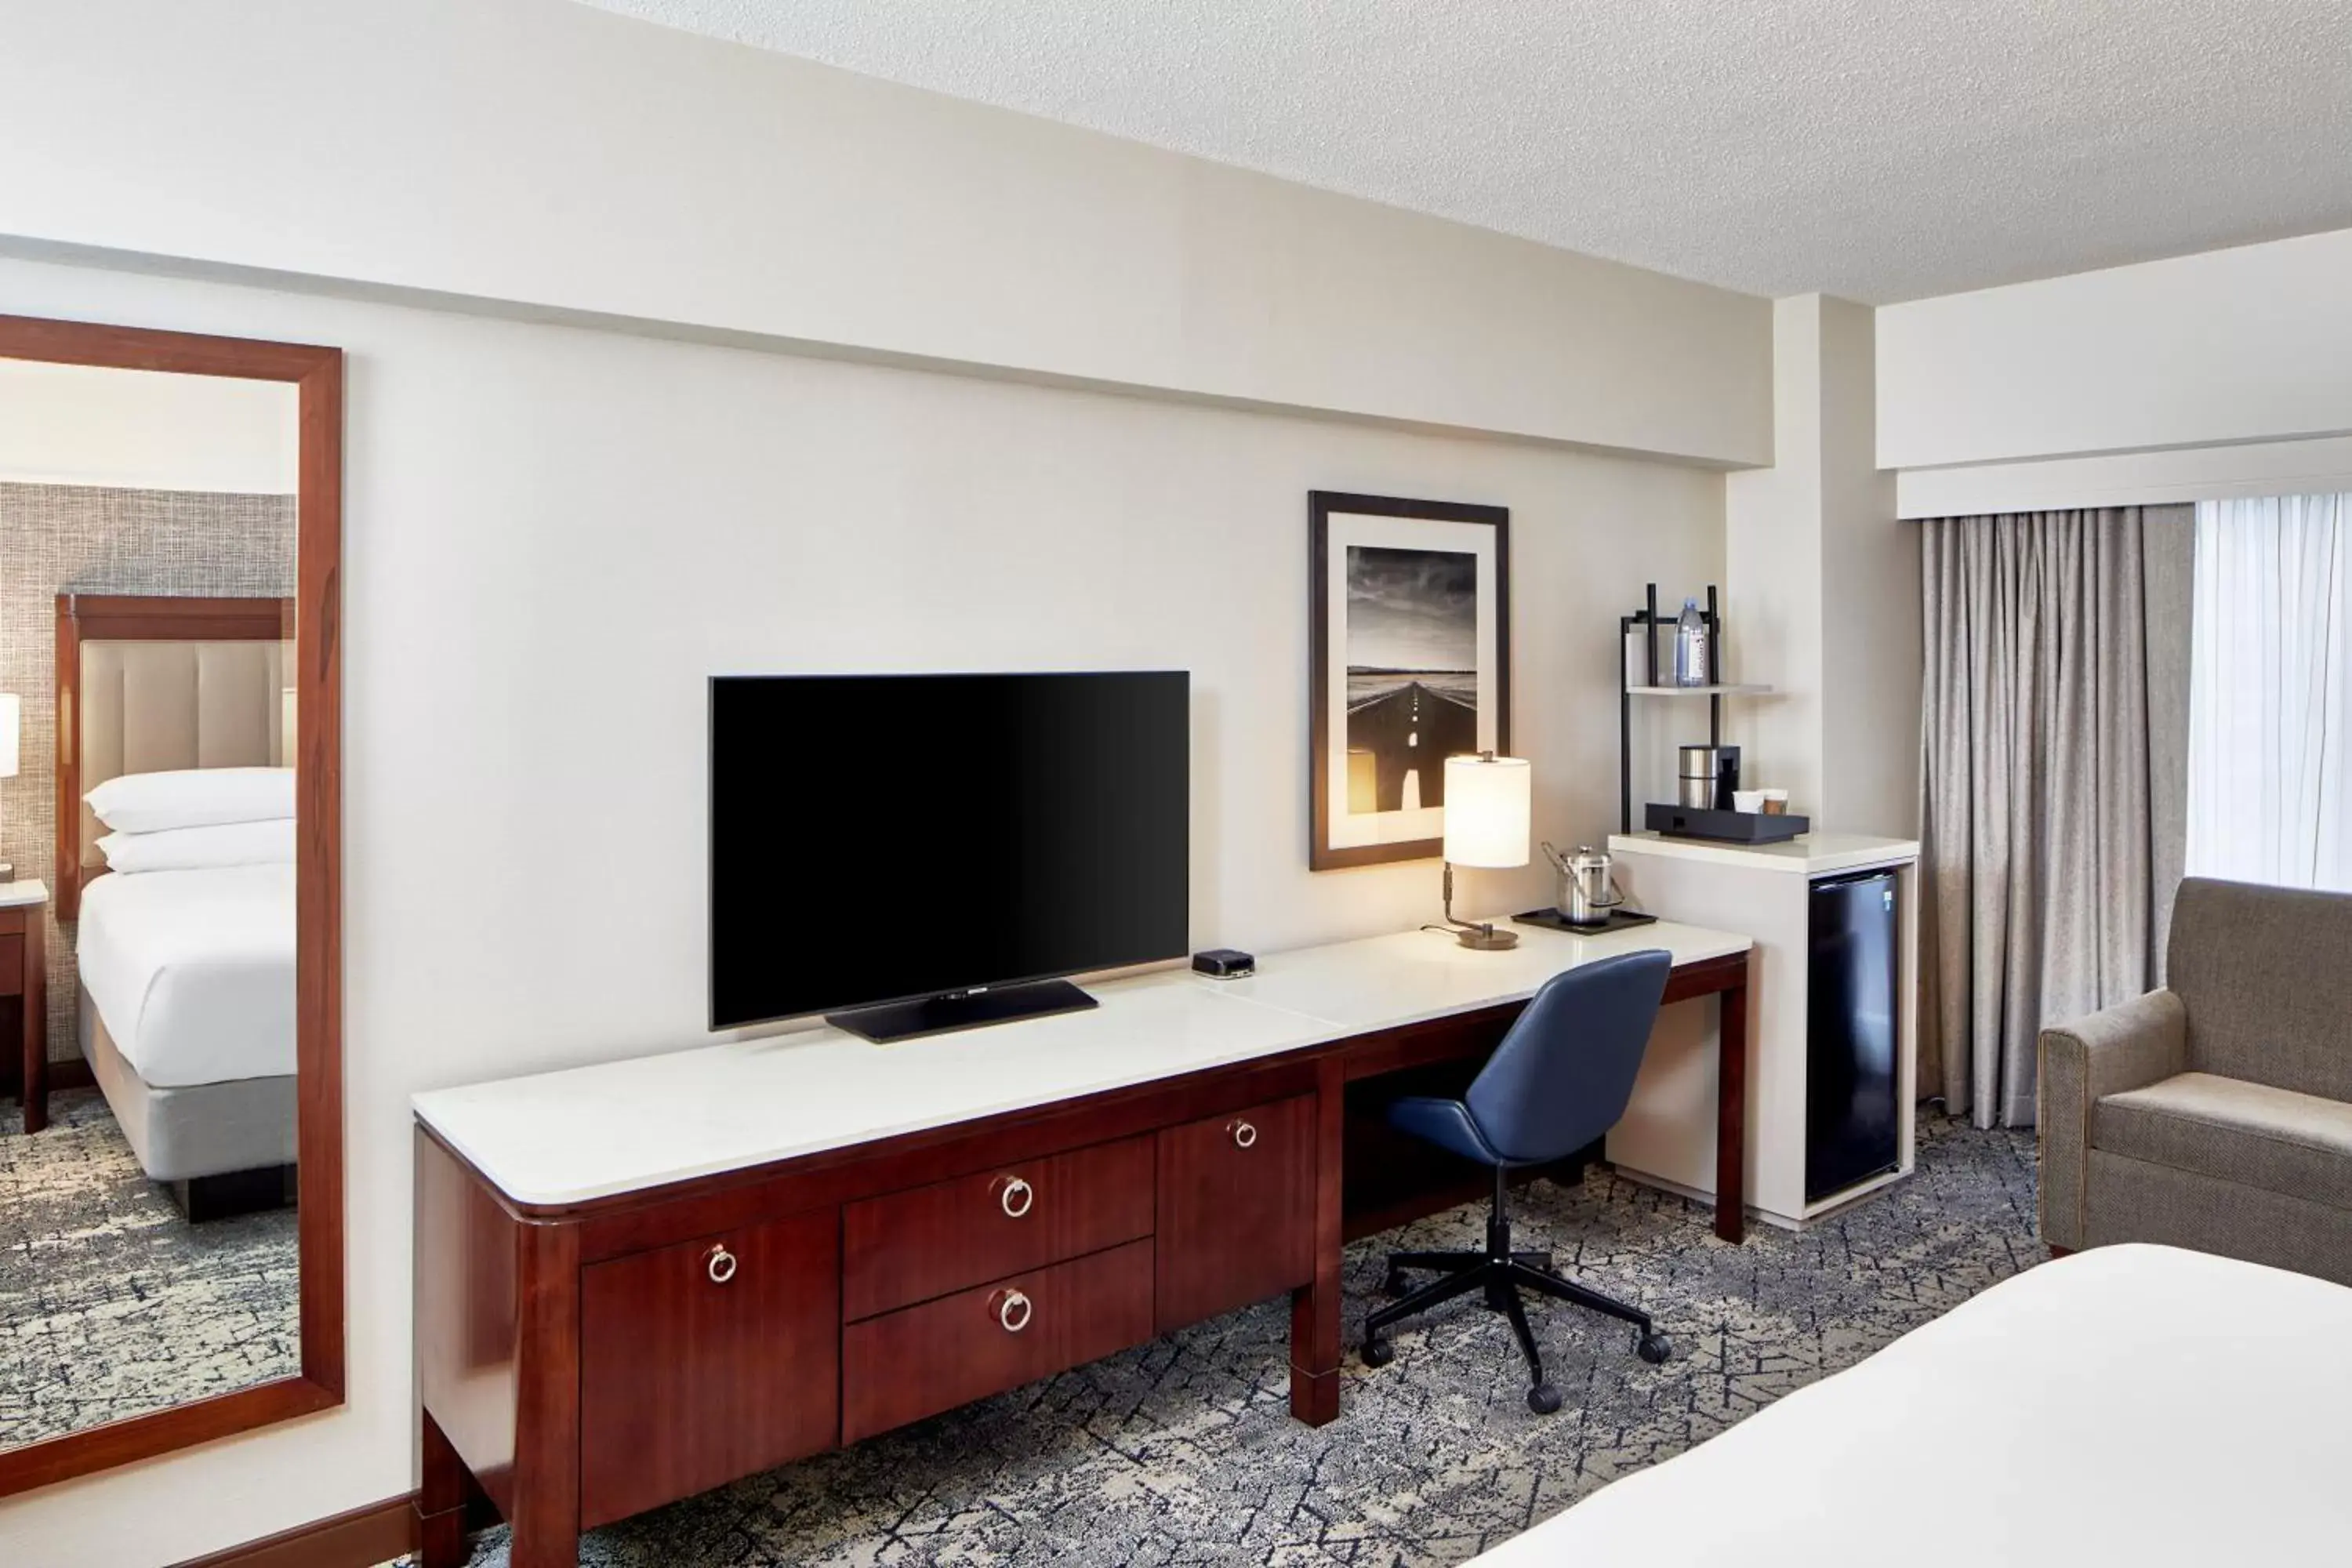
(1488, 804)
(11, 709)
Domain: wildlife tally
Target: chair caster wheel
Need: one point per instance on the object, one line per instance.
(1378, 1352)
(1543, 1399)
(1655, 1348)
(1396, 1286)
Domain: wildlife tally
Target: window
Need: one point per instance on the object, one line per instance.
(2270, 723)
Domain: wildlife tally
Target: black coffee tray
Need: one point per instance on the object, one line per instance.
(1723, 826)
(1618, 920)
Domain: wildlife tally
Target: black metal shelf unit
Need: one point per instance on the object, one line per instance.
(1647, 621)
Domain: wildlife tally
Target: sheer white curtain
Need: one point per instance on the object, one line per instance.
(2270, 722)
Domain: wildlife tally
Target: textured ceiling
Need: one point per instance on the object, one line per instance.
(1881, 151)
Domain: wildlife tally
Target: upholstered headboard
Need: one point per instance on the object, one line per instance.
(147, 684)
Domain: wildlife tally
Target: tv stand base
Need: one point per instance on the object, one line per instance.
(962, 1010)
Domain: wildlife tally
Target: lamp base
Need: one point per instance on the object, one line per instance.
(1481, 936)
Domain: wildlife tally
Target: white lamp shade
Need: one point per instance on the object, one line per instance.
(12, 708)
(1488, 801)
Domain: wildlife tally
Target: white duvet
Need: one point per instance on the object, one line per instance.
(2132, 1405)
(193, 971)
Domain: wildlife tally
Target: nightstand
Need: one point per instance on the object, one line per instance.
(22, 975)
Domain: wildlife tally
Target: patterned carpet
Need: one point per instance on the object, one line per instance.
(112, 1305)
(1182, 1452)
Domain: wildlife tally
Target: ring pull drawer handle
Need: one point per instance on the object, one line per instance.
(1245, 1134)
(1012, 1310)
(720, 1264)
(1014, 1196)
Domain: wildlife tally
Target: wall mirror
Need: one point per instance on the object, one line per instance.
(170, 1139)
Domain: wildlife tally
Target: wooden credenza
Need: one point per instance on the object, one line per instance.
(581, 1362)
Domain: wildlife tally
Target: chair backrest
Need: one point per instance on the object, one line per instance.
(2265, 976)
(1563, 1075)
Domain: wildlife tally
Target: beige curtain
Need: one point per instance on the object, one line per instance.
(2054, 757)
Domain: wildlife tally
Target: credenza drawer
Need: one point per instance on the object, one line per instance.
(911, 1246)
(12, 963)
(706, 1361)
(905, 1366)
(1237, 1210)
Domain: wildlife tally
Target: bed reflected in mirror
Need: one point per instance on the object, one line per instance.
(150, 1177)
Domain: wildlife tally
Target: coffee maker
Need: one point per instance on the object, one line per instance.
(1709, 776)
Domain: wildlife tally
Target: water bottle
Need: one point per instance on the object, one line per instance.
(1691, 653)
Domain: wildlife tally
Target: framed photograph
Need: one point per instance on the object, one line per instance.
(1408, 664)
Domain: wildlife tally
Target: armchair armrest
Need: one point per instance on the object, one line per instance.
(2129, 1045)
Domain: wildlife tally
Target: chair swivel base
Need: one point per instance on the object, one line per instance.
(1500, 1274)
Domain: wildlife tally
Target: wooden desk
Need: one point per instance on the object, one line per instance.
(642, 1280)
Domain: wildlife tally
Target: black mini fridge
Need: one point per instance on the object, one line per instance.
(1850, 1090)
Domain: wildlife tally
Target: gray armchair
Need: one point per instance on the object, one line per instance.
(2216, 1114)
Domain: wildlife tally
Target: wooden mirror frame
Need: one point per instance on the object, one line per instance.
(317, 376)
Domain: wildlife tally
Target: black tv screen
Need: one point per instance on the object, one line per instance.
(880, 838)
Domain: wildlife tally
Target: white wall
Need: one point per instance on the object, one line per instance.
(1824, 588)
(1871, 630)
(1773, 546)
(553, 154)
(2229, 347)
(554, 535)
(77, 425)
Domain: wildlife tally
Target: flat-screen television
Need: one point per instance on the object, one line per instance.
(914, 852)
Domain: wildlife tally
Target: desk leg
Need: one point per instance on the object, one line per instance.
(546, 1514)
(1731, 1111)
(32, 1007)
(1314, 1348)
(441, 1501)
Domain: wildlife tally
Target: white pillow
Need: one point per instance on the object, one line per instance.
(200, 848)
(192, 797)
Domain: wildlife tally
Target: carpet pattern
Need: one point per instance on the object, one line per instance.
(1182, 1452)
(111, 1304)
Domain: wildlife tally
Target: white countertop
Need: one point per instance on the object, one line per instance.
(1808, 854)
(569, 1137)
(21, 894)
(1386, 981)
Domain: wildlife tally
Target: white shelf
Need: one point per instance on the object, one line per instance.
(1697, 690)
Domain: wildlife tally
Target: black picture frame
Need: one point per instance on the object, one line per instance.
(1330, 846)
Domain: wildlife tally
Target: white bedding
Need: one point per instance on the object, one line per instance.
(193, 971)
(2130, 1404)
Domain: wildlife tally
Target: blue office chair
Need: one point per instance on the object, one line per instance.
(1559, 1079)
